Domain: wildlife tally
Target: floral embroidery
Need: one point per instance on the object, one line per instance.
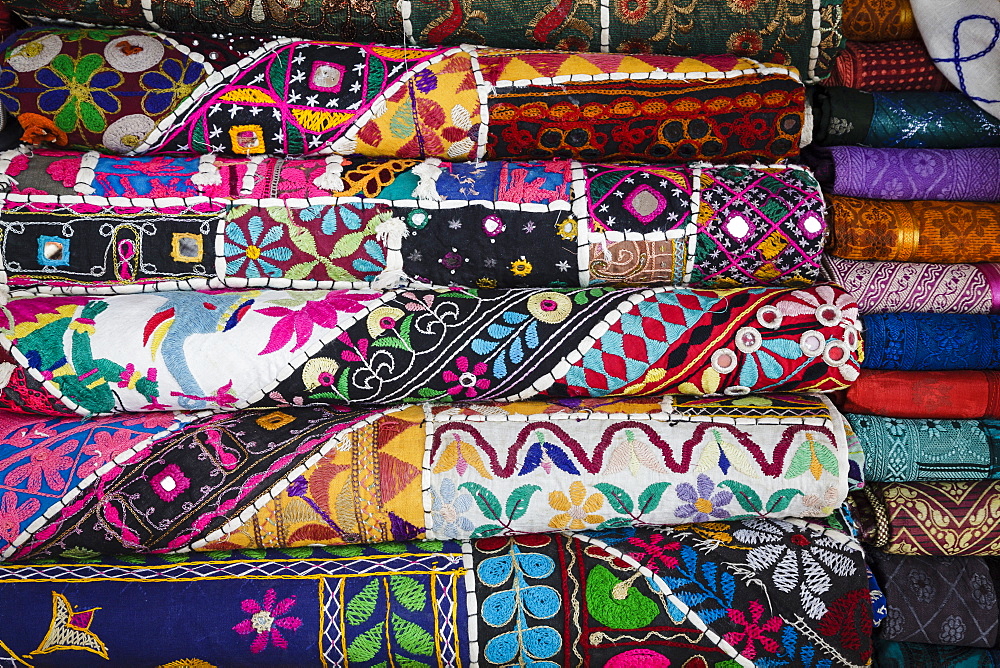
(266, 620)
(702, 505)
(466, 379)
(173, 81)
(447, 507)
(259, 253)
(753, 630)
(78, 91)
(577, 509)
(12, 515)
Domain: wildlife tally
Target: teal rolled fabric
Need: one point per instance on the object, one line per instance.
(906, 450)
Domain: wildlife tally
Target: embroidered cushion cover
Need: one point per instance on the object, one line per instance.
(160, 223)
(266, 348)
(298, 476)
(132, 92)
(803, 34)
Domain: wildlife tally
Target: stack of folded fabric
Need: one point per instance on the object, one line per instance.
(324, 353)
(914, 184)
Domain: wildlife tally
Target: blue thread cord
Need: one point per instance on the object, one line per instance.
(958, 59)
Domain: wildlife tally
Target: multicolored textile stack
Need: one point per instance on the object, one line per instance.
(912, 172)
(391, 340)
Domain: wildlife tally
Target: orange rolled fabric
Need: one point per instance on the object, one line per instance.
(915, 231)
(879, 20)
(942, 395)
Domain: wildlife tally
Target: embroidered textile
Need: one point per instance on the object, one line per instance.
(136, 93)
(914, 231)
(912, 173)
(405, 603)
(707, 595)
(906, 450)
(153, 223)
(931, 341)
(902, 65)
(939, 600)
(954, 518)
(903, 287)
(803, 34)
(269, 348)
(917, 119)
(879, 20)
(891, 654)
(300, 476)
(963, 39)
(943, 395)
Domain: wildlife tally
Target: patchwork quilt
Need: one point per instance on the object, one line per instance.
(800, 33)
(75, 222)
(300, 476)
(222, 350)
(698, 595)
(131, 92)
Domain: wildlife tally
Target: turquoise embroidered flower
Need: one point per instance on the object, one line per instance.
(374, 264)
(259, 253)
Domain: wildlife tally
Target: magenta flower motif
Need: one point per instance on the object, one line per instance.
(702, 505)
(104, 447)
(753, 631)
(319, 312)
(466, 380)
(43, 462)
(12, 515)
(266, 619)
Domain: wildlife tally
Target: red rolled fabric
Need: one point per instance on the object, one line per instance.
(887, 66)
(946, 395)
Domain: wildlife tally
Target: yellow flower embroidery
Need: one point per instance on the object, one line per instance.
(521, 267)
(577, 510)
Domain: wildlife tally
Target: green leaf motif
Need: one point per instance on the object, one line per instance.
(486, 530)
(409, 592)
(650, 497)
(303, 240)
(518, 501)
(826, 458)
(367, 645)
(614, 523)
(488, 503)
(347, 244)
(300, 270)
(780, 499)
(411, 637)
(362, 605)
(748, 499)
(617, 497)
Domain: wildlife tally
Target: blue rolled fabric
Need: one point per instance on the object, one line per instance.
(931, 341)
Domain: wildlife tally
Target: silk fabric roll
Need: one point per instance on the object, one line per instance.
(919, 119)
(154, 93)
(931, 341)
(226, 350)
(931, 518)
(805, 35)
(166, 223)
(939, 395)
(909, 450)
(879, 20)
(901, 66)
(891, 654)
(913, 287)
(914, 231)
(939, 600)
(961, 174)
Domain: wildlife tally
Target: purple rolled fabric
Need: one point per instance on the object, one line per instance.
(911, 287)
(964, 174)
